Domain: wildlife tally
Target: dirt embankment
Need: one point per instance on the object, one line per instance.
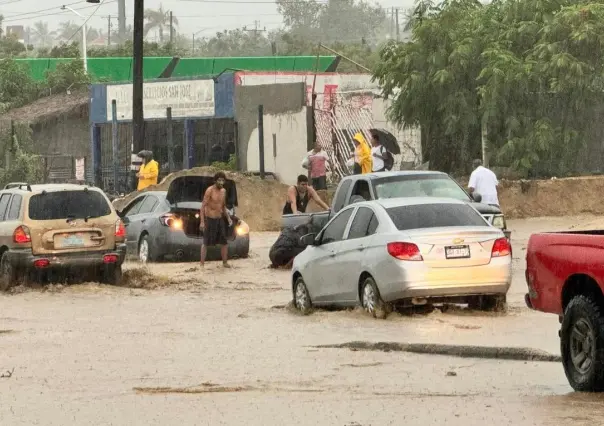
(552, 197)
(260, 201)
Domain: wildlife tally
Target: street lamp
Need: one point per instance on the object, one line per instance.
(84, 31)
(193, 44)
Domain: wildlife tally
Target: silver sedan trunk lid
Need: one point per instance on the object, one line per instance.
(455, 246)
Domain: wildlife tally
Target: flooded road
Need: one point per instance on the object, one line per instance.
(220, 346)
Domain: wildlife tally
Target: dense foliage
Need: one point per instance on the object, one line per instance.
(530, 71)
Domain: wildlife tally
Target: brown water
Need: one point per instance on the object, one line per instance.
(218, 347)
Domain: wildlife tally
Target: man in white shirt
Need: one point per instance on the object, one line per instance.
(378, 153)
(484, 182)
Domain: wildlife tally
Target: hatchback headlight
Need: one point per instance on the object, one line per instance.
(499, 221)
(242, 229)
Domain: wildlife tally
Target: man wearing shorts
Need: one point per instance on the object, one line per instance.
(214, 219)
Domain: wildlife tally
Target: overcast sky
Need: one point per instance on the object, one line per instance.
(195, 16)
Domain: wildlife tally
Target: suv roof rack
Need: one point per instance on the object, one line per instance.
(19, 185)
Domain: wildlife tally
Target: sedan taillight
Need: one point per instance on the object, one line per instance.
(404, 251)
(501, 248)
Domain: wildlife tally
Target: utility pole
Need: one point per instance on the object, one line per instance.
(121, 19)
(398, 28)
(255, 30)
(171, 28)
(392, 22)
(138, 120)
(108, 30)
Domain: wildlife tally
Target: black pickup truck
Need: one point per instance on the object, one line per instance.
(375, 186)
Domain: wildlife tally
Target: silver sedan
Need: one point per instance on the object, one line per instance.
(404, 251)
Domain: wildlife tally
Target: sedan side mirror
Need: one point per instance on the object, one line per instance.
(477, 197)
(309, 240)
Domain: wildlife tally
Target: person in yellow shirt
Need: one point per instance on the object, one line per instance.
(363, 162)
(149, 171)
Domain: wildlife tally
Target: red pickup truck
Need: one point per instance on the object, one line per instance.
(565, 276)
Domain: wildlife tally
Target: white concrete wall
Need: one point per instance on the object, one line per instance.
(357, 90)
(286, 157)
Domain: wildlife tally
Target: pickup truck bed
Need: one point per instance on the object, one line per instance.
(565, 276)
(317, 220)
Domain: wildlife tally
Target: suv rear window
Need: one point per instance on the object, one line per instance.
(434, 215)
(68, 204)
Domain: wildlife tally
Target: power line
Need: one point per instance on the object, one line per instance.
(86, 21)
(41, 13)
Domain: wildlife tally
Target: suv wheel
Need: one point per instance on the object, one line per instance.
(112, 275)
(582, 345)
(8, 274)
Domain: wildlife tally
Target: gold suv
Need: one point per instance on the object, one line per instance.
(55, 228)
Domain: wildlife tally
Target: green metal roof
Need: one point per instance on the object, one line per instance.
(120, 69)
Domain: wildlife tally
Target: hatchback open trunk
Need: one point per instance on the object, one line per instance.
(185, 196)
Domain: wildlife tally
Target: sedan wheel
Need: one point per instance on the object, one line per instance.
(301, 297)
(372, 301)
(143, 250)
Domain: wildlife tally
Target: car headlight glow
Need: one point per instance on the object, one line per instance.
(499, 221)
(242, 229)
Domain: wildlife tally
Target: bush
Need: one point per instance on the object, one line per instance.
(231, 165)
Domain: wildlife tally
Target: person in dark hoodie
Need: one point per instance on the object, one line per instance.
(287, 246)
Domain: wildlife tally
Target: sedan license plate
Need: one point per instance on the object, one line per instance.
(457, 252)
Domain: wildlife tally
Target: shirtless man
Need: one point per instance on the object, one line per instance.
(212, 219)
(299, 195)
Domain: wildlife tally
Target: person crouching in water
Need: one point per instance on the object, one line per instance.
(287, 246)
(299, 195)
(214, 219)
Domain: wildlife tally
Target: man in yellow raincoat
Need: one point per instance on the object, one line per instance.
(149, 171)
(363, 162)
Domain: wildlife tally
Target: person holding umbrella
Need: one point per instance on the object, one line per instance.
(148, 172)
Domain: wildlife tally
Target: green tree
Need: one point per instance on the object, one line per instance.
(68, 75)
(335, 21)
(528, 71)
(16, 85)
(158, 20)
(11, 46)
(42, 35)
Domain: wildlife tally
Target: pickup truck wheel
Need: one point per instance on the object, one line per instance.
(302, 300)
(582, 345)
(8, 274)
(372, 301)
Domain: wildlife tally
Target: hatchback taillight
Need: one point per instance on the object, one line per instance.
(120, 229)
(501, 248)
(404, 251)
(21, 235)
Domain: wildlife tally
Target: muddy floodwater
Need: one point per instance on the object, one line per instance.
(213, 347)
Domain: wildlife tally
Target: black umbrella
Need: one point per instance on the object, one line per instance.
(388, 140)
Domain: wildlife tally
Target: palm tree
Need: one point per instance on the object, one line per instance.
(42, 35)
(158, 19)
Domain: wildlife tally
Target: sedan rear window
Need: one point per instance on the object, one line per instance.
(434, 215)
(68, 204)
